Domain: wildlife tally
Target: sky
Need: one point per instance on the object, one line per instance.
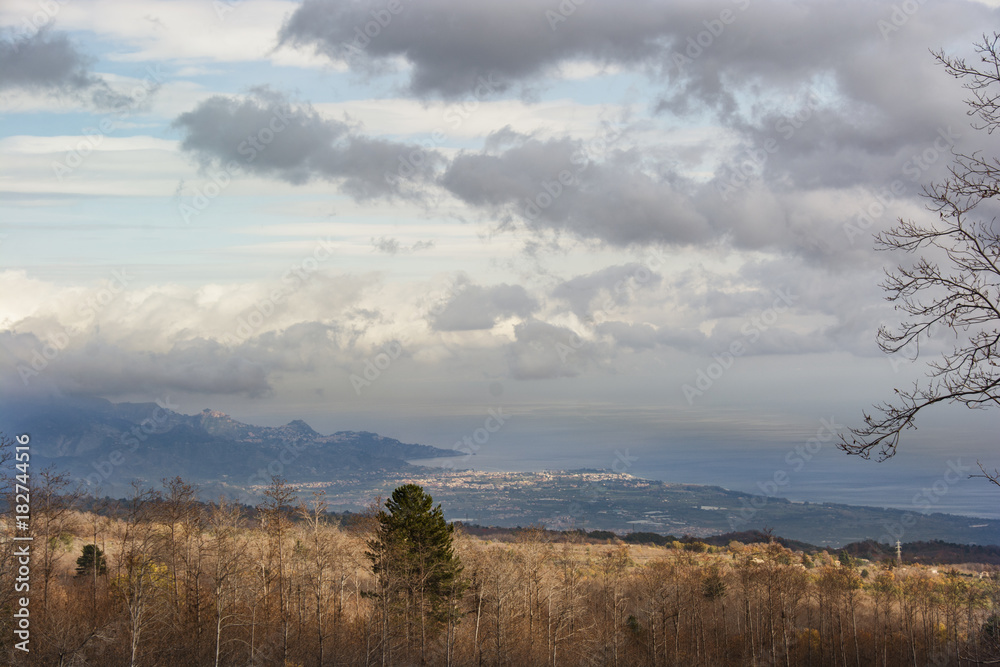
(642, 225)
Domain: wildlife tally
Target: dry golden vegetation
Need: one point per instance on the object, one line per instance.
(193, 584)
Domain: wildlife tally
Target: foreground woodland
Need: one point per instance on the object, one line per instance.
(161, 579)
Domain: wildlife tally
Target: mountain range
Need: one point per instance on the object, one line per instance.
(107, 445)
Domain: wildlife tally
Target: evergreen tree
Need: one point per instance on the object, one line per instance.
(713, 586)
(92, 557)
(414, 560)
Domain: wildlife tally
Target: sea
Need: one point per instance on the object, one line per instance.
(935, 478)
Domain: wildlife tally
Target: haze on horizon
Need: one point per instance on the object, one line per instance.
(642, 225)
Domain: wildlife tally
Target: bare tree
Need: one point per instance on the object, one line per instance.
(51, 518)
(141, 583)
(229, 543)
(274, 513)
(177, 505)
(954, 281)
(320, 552)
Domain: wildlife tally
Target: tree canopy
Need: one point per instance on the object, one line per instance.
(414, 562)
(91, 558)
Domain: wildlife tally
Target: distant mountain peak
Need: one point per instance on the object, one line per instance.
(300, 426)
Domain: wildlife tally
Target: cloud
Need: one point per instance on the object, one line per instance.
(392, 246)
(544, 351)
(46, 62)
(638, 336)
(475, 307)
(43, 60)
(265, 134)
(829, 101)
(619, 282)
(117, 339)
(633, 196)
(389, 246)
(553, 186)
(841, 101)
(102, 368)
(843, 109)
(699, 51)
(452, 47)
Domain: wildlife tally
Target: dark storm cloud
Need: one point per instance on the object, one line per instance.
(87, 363)
(454, 46)
(702, 51)
(98, 367)
(44, 60)
(843, 94)
(633, 197)
(819, 95)
(475, 307)
(809, 148)
(264, 134)
(48, 62)
(552, 186)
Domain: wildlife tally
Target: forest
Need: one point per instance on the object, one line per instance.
(160, 578)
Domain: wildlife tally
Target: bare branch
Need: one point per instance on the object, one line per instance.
(952, 282)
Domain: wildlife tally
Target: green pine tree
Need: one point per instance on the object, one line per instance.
(92, 557)
(413, 559)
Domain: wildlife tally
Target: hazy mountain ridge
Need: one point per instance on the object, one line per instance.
(109, 444)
